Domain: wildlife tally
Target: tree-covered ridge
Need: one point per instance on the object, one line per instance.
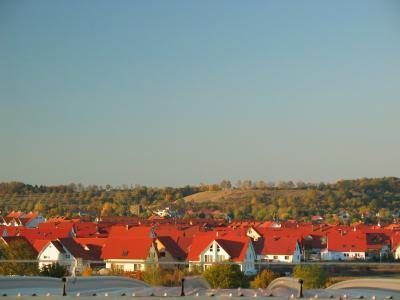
(367, 199)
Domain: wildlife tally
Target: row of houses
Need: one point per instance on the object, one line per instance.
(135, 245)
(18, 218)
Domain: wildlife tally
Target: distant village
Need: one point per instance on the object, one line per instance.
(128, 243)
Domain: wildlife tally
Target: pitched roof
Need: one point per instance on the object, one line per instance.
(127, 248)
(235, 246)
(39, 244)
(58, 246)
(275, 245)
(76, 249)
(172, 247)
(352, 241)
(124, 231)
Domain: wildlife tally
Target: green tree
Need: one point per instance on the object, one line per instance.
(263, 279)
(54, 270)
(314, 276)
(17, 249)
(224, 276)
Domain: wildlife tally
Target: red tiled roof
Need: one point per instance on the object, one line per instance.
(127, 248)
(123, 231)
(275, 245)
(85, 229)
(352, 241)
(39, 244)
(235, 246)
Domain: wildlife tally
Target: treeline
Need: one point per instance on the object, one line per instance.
(347, 201)
(344, 201)
(69, 200)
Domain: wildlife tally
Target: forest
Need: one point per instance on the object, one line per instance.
(366, 199)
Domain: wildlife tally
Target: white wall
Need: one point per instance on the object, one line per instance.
(125, 265)
(397, 253)
(292, 258)
(50, 255)
(334, 255)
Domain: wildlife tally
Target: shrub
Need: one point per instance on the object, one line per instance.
(172, 277)
(314, 276)
(54, 270)
(263, 279)
(224, 276)
(152, 276)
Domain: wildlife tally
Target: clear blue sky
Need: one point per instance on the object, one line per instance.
(183, 92)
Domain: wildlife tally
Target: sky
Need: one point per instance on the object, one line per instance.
(168, 93)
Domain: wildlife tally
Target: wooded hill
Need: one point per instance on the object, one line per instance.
(367, 199)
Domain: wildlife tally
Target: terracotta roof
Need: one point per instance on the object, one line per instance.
(85, 229)
(39, 244)
(235, 246)
(127, 248)
(275, 245)
(352, 241)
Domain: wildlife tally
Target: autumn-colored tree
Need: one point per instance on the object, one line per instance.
(263, 279)
(107, 209)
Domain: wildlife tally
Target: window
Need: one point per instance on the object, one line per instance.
(286, 257)
(162, 254)
(125, 253)
(67, 256)
(218, 248)
(208, 258)
(136, 267)
(275, 257)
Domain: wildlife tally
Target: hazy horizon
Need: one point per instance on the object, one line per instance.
(169, 93)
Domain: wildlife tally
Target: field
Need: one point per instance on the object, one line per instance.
(239, 195)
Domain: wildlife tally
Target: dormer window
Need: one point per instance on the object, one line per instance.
(125, 253)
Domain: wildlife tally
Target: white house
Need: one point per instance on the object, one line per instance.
(350, 245)
(209, 249)
(130, 254)
(278, 249)
(30, 220)
(66, 252)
